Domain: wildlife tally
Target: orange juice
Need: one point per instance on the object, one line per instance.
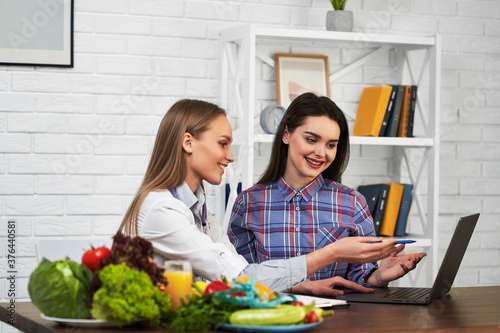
(179, 286)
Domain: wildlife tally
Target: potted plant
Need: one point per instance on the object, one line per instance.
(338, 4)
(339, 19)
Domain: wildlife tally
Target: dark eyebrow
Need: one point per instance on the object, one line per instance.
(228, 138)
(318, 136)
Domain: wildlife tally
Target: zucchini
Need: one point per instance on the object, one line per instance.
(280, 315)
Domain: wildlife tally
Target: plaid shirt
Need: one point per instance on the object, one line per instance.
(275, 221)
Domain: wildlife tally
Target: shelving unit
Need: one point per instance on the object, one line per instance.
(238, 53)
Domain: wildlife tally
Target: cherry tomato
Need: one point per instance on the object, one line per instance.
(298, 303)
(311, 317)
(93, 257)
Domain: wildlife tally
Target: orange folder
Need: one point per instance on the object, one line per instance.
(391, 209)
(371, 110)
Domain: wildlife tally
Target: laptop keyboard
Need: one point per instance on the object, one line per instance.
(408, 293)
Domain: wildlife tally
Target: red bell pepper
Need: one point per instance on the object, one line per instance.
(218, 286)
(215, 287)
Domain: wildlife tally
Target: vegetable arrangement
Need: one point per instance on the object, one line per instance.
(200, 313)
(123, 284)
(239, 303)
(135, 252)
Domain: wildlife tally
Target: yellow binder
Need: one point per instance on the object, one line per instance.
(371, 110)
(391, 209)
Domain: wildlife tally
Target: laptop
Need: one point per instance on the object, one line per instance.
(442, 283)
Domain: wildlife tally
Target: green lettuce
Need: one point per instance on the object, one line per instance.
(60, 288)
(127, 294)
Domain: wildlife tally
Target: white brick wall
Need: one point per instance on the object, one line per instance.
(74, 143)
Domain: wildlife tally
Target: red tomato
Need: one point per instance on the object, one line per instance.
(298, 303)
(93, 257)
(311, 317)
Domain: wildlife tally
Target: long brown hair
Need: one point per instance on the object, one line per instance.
(308, 105)
(167, 166)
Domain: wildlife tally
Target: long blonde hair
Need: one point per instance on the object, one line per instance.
(167, 166)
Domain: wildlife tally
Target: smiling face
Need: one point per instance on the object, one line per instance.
(208, 154)
(312, 147)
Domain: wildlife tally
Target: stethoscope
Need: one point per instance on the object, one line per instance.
(203, 211)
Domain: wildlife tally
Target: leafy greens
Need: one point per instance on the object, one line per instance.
(135, 252)
(59, 289)
(127, 294)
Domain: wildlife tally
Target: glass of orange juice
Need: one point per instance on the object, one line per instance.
(179, 276)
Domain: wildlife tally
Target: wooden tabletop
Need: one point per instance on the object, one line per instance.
(471, 309)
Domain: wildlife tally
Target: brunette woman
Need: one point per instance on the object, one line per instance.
(298, 208)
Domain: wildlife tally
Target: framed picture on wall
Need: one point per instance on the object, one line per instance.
(300, 73)
(36, 33)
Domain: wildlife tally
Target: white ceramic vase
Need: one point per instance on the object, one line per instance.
(339, 20)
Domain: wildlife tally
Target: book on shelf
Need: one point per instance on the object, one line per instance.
(392, 127)
(386, 110)
(381, 203)
(376, 196)
(371, 110)
(387, 116)
(411, 115)
(404, 211)
(405, 113)
(391, 210)
(370, 192)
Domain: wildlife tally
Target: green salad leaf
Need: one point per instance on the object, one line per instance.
(127, 294)
(200, 314)
(60, 288)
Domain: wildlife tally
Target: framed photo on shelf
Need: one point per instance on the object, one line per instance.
(36, 33)
(300, 73)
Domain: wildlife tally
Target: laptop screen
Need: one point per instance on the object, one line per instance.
(453, 256)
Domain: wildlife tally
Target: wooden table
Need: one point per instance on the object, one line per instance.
(471, 309)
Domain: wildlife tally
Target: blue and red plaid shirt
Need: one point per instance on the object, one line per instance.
(276, 221)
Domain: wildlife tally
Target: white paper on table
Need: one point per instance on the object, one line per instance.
(321, 302)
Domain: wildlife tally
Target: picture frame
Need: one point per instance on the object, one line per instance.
(300, 73)
(36, 33)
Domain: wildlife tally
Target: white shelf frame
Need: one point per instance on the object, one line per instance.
(238, 53)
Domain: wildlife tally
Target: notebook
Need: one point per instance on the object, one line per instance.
(321, 302)
(442, 283)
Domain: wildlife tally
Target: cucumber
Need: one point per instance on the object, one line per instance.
(280, 315)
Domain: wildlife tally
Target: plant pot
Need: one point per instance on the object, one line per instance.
(339, 20)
